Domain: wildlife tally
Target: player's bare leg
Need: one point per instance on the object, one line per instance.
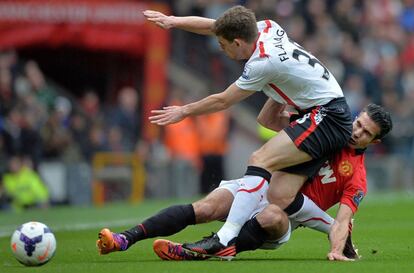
(277, 153)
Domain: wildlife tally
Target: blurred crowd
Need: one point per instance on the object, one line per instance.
(367, 45)
(40, 121)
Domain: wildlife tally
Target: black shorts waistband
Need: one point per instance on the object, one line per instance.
(333, 102)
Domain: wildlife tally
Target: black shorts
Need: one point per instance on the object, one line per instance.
(320, 132)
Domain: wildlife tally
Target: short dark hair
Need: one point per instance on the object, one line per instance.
(237, 22)
(381, 117)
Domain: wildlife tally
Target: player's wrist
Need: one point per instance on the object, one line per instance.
(179, 22)
(185, 111)
(173, 21)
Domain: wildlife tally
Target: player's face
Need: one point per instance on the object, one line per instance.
(231, 49)
(364, 131)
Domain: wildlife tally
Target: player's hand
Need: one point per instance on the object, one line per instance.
(168, 115)
(333, 256)
(159, 18)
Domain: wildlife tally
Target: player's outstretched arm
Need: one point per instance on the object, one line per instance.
(210, 104)
(195, 24)
(339, 233)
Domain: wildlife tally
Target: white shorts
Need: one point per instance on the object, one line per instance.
(233, 186)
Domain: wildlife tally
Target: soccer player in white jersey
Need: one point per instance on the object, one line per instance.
(341, 180)
(288, 75)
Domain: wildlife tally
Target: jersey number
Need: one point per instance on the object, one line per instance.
(311, 61)
(327, 174)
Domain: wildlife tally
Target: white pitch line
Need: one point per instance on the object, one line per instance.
(6, 231)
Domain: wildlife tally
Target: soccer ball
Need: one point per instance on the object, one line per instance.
(33, 243)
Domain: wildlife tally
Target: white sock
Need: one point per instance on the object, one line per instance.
(252, 190)
(310, 215)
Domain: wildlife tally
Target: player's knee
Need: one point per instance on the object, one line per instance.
(256, 159)
(271, 218)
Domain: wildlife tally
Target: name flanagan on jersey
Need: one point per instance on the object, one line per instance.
(278, 44)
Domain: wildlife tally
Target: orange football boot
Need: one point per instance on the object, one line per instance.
(109, 242)
(168, 250)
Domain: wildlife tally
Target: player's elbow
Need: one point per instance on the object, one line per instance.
(271, 125)
(262, 121)
(275, 122)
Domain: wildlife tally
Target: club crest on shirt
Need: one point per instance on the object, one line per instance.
(345, 168)
(246, 72)
(358, 196)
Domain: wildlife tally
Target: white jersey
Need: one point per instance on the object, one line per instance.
(286, 72)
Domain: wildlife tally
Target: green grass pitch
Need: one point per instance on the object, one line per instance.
(384, 234)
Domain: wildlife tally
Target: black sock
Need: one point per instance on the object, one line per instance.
(257, 171)
(251, 236)
(166, 222)
(296, 205)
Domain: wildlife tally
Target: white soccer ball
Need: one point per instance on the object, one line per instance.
(33, 243)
